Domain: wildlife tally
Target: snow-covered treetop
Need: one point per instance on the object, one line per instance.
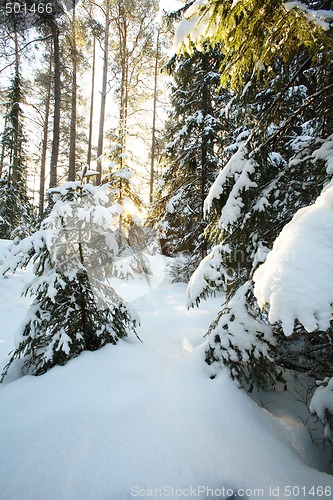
(296, 280)
(81, 215)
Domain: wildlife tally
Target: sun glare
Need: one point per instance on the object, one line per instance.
(129, 208)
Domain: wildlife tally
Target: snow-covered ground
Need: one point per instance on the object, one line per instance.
(144, 419)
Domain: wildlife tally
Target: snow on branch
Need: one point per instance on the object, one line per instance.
(239, 337)
(210, 275)
(20, 254)
(322, 405)
(239, 168)
(174, 201)
(325, 152)
(193, 27)
(296, 279)
(199, 23)
(321, 18)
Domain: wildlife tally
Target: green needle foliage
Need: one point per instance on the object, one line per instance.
(277, 64)
(74, 308)
(254, 36)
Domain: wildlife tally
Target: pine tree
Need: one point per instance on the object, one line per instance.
(74, 308)
(73, 101)
(132, 56)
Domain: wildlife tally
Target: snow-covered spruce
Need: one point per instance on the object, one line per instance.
(322, 406)
(74, 309)
(285, 112)
(210, 276)
(195, 134)
(130, 235)
(240, 339)
(16, 211)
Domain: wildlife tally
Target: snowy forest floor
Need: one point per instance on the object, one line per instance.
(144, 419)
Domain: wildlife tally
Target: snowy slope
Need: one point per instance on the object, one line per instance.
(126, 420)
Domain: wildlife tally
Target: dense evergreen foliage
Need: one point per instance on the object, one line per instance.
(282, 105)
(15, 209)
(74, 307)
(196, 131)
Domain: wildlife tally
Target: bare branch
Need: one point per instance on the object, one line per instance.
(24, 47)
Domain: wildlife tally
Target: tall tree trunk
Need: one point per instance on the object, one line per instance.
(206, 108)
(92, 102)
(122, 27)
(56, 112)
(16, 144)
(103, 94)
(125, 103)
(2, 157)
(153, 137)
(72, 137)
(45, 139)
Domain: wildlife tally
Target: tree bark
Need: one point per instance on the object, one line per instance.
(44, 144)
(153, 138)
(56, 112)
(92, 102)
(206, 107)
(103, 94)
(72, 138)
(16, 144)
(2, 158)
(122, 28)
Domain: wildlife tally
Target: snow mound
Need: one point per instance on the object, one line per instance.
(296, 279)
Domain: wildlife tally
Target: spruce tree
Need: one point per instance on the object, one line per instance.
(282, 105)
(196, 130)
(127, 206)
(15, 209)
(74, 308)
